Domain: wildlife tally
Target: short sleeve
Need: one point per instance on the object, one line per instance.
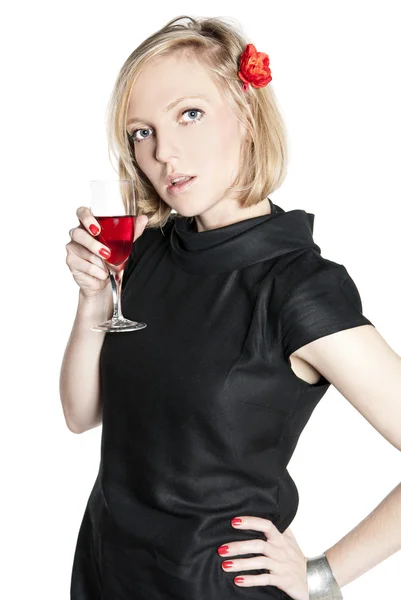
(324, 302)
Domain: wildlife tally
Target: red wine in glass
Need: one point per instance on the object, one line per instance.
(117, 233)
(114, 207)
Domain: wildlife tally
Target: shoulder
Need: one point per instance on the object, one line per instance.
(309, 264)
(305, 270)
(322, 298)
(311, 277)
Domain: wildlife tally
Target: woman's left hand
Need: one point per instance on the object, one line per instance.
(280, 554)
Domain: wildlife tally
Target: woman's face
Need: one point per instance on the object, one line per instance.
(200, 136)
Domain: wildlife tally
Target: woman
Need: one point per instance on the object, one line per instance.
(248, 327)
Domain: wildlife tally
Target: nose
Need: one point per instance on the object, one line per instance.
(167, 148)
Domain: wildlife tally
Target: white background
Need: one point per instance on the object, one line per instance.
(335, 69)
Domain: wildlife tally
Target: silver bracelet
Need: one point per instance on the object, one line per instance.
(322, 584)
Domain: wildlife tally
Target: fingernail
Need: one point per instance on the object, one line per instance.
(239, 579)
(95, 230)
(227, 564)
(236, 521)
(222, 550)
(104, 252)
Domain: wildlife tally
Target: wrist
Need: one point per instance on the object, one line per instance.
(322, 584)
(96, 307)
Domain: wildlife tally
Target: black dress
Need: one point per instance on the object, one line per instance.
(201, 409)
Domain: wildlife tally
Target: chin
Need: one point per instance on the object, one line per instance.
(186, 211)
(191, 208)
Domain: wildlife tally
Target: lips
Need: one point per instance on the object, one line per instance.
(170, 178)
(181, 186)
(181, 180)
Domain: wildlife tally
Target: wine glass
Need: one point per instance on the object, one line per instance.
(113, 204)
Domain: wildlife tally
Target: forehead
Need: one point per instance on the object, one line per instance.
(164, 79)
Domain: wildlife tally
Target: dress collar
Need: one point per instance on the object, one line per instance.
(240, 244)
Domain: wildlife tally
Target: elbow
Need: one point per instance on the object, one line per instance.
(70, 422)
(72, 425)
(73, 428)
(82, 424)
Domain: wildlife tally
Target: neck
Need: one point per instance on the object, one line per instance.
(203, 223)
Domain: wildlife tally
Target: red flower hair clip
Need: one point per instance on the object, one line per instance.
(254, 68)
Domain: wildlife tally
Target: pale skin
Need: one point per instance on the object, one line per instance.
(357, 361)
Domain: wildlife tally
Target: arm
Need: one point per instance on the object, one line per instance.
(79, 376)
(367, 372)
(373, 540)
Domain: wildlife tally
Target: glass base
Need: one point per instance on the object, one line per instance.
(121, 324)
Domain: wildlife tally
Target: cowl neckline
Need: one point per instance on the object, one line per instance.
(240, 244)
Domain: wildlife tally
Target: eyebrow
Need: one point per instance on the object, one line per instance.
(170, 106)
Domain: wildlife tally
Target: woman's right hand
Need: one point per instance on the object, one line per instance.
(83, 258)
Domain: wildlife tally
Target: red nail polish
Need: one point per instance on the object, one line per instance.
(94, 229)
(104, 252)
(222, 550)
(227, 564)
(236, 521)
(239, 579)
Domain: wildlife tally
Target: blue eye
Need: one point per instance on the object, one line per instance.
(135, 139)
(194, 110)
(132, 136)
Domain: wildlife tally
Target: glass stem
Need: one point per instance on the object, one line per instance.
(116, 291)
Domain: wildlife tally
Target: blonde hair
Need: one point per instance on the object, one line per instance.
(217, 44)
